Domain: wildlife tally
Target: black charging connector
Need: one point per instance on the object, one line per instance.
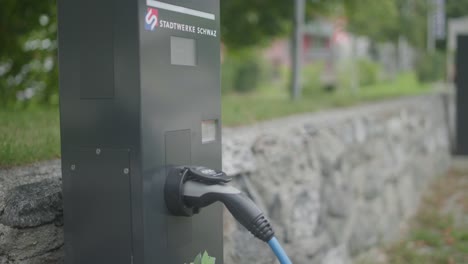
(188, 189)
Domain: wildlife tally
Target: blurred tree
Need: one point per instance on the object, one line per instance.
(456, 8)
(246, 23)
(413, 21)
(377, 20)
(27, 51)
(387, 20)
(18, 18)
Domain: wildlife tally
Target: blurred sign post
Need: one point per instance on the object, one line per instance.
(296, 49)
(439, 19)
(435, 23)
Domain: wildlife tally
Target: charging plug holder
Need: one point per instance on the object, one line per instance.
(174, 192)
(174, 188)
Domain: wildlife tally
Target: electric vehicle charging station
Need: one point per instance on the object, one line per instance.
(139, 100)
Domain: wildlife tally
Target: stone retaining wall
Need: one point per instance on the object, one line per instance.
(334, 183)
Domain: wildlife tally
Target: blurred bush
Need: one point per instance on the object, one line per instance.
(363, 72)
(431, 67)
(312, 79)
(242, 71)
(248, 75)
(345, 76)
(228, 74)
(369, 72)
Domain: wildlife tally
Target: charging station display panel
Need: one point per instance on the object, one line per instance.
(180, 91)
(183, 51)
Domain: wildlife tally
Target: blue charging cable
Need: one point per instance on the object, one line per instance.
(279, 251)
(202, 187)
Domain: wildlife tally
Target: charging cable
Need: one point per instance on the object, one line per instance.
(279, 251)
(188, 189)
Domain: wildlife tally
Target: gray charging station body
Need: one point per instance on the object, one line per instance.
(139, 92)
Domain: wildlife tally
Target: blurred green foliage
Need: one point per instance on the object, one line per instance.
(369, 72)
(431, 67)
(28, 68)
(228, 74)
(243, 71)
(364, 72)
(248, 75)
(387, 20)
(456, 8)
(311, 79)
(264, 104)
(247, 23)
(376, 19)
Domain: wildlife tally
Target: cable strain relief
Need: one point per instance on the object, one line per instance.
(261, 228)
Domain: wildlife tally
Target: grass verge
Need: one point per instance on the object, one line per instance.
(436, 237)
(28, 136)
(272, 102)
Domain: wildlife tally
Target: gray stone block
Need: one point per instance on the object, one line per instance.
(31, 243)
(33, 204)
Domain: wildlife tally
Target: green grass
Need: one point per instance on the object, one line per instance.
(434, 238)
(271, 102)
(28, 136)
(33, 135)
(430, 244)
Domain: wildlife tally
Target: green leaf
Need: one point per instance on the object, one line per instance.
(198, 259)
(206, 259)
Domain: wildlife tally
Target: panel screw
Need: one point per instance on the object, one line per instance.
(98, 151)
(126, 171)
(73, 167)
